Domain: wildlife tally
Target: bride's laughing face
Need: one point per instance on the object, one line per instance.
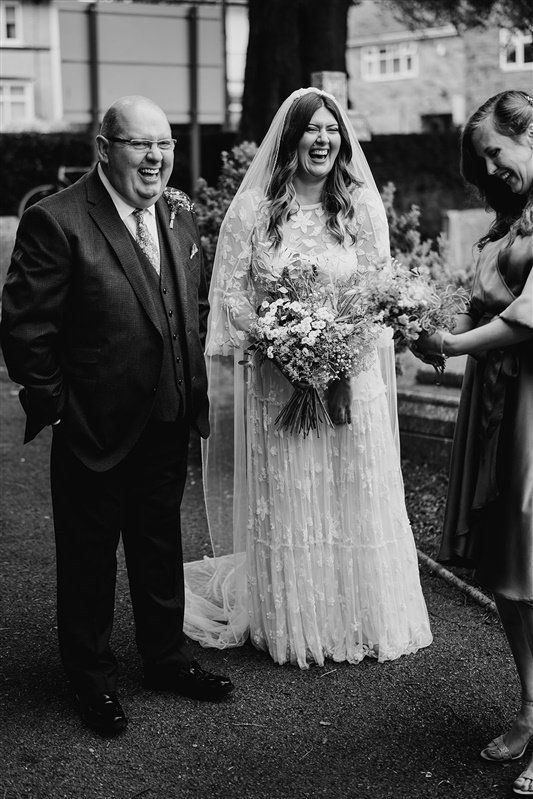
(319, 146)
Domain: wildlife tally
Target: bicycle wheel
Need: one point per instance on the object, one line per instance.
(34, 195)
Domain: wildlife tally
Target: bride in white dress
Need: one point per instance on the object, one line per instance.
(317, 559)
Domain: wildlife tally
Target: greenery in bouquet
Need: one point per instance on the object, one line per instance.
(315, 333)
(411, 303)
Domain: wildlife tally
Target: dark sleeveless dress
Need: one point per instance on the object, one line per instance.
(489, 514)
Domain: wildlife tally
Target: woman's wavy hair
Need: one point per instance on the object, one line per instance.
(341, 180)
(511, 113)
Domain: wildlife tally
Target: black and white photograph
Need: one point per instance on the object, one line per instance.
(266, 399)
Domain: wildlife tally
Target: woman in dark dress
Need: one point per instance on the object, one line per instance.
(489, 513)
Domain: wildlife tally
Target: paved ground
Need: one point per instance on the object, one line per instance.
(411, 729)
(408, 729)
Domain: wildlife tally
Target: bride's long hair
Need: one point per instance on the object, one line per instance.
(336, 195)
(511, 113)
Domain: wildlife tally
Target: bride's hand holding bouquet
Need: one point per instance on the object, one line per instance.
(339, 396)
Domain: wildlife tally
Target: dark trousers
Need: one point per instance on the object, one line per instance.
(139, 498)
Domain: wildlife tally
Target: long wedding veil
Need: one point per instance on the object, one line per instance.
(216, 601)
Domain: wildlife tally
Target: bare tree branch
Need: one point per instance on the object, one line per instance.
(463, 13)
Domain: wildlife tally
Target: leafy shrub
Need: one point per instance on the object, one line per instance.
(211, 203)
(428, 256)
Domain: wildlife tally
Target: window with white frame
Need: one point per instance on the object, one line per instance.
(389, 61)
(16, 104)
(10, 23)
(516, 50)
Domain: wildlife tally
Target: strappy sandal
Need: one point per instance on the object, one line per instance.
(503, 753)
(525, 775)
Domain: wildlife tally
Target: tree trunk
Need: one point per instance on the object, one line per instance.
(324, 31)
(289, 39)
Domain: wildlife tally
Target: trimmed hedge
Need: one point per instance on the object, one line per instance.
(31, 159)
(425, 171)
(424, 168)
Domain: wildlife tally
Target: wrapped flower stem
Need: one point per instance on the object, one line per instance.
(305, 411)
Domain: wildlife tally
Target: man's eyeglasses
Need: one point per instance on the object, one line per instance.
(144, 145)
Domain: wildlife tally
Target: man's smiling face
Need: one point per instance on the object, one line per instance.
(139, 177)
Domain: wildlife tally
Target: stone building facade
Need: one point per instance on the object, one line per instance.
(51, 75)
(30, 72)
(403, 81)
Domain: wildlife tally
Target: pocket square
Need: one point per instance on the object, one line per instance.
(194, 250)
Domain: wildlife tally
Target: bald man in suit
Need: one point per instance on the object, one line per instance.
(103, 324)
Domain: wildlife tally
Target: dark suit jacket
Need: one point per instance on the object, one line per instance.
(80, 330)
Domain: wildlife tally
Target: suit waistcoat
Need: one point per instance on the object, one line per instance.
(170, 398)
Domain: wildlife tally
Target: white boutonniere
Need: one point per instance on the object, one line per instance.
(177, 201)
(194, 250)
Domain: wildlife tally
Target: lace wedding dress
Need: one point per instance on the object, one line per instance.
(323, 563)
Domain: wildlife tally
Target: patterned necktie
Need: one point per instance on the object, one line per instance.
(144, 239)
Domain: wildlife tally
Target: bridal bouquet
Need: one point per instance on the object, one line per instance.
(411, 303)
(315, 333)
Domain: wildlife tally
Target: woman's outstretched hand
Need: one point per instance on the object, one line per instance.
(429, 349)
(339, 396)
(429, 344)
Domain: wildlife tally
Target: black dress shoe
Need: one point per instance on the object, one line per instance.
(192, 681)
(102, 713)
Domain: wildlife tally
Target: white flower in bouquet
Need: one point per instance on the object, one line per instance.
(410, 302)
(315, 333)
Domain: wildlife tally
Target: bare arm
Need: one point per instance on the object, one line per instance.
(463, 323)
(493, 335)
(513, 326)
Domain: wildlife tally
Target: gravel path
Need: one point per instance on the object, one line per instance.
(404, 730)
